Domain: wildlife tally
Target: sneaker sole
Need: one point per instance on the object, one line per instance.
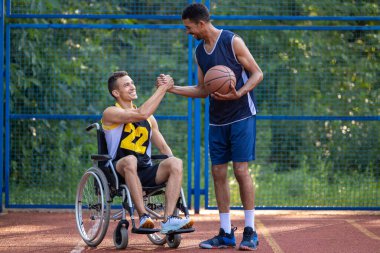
(207, 246)
(246, 248)
(189, 225)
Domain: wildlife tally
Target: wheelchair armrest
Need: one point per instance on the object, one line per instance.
(93, 125)
(101, 158)
(159, 157)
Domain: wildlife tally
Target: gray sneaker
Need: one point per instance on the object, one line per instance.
(173, 223)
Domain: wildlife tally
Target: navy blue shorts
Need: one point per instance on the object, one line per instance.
(233, 142)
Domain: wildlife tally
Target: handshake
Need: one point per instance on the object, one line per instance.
(165, 81)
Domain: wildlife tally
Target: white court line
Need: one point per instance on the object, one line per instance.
(271, 241)
(363, 230)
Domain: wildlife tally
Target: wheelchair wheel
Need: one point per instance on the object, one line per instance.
(92, 207)
(173, 241)
(157, 238)
(120, 238)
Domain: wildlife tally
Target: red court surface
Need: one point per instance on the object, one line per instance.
(283, 231)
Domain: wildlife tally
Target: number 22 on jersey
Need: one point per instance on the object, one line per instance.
(129, 142)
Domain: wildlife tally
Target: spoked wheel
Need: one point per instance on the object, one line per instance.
(92, 207)
(155, 203)
(157, 238)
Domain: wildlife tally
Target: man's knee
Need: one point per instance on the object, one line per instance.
(242, 174)
(219, 172)
(127, 164)
(176, 165)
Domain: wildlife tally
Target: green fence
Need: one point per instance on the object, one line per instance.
(318, 143)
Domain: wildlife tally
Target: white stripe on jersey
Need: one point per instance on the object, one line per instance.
(250, 100)
(113, 139)
(230, 122)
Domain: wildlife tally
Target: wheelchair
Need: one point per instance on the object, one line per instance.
(96, 191)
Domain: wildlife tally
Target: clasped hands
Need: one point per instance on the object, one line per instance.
(165, 81)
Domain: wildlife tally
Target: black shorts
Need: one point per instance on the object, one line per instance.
(147, 175)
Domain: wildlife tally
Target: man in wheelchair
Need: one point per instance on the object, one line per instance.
(129, 133)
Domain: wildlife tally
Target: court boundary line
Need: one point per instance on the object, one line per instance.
(363, 229)
(268, 237)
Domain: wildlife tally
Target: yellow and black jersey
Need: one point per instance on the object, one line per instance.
(130, 139)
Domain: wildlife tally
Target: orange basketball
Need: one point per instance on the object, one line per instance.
(219, 79)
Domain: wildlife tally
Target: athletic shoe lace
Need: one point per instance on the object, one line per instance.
(222, 233)
(174, 217)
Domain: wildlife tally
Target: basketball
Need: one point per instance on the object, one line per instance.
(219, 79)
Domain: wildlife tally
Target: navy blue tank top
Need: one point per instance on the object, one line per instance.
(229, 111)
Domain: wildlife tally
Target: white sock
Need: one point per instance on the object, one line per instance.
(250, 218)
(225, 222)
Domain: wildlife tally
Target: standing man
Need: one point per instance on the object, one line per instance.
(232, 119)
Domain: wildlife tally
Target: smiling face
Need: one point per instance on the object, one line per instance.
(194, 28)
(125, 89)
(196, 18)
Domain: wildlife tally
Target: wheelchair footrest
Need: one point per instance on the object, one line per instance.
(145, 230)
(181, 231)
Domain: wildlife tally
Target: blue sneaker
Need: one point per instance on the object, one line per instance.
(250, 240)
(222, 240)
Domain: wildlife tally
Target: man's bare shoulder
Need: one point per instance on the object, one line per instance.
(111, 109)
(110, 113)
(238, 40)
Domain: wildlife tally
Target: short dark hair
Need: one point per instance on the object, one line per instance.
(196, 12)
(113, 78)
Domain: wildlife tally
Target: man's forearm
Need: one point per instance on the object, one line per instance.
(150, 106)
(189, 91)
(252, 82)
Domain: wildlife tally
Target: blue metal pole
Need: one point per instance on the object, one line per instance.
(197, 154)
(206, 133)
(189, 124)
(197, 146)
(7, 111)
(206, 160)
(2, 104)
(169, 27)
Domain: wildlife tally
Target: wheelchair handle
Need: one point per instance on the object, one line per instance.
(93, 125)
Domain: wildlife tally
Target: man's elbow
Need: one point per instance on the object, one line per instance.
(261, 75)
(143, 115)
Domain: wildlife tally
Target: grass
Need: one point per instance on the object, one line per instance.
(302, 187)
